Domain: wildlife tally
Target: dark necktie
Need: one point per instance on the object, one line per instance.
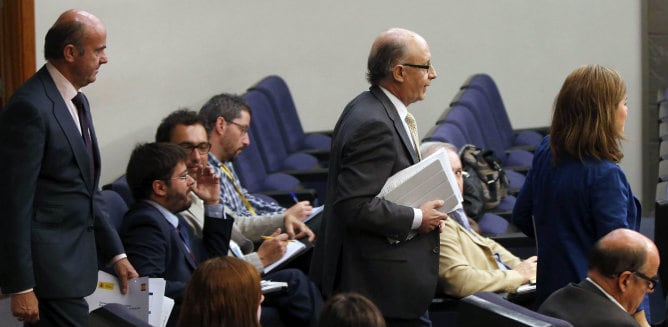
(84, 120)
(181, 229)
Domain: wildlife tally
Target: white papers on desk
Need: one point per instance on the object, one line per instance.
(145, 298)
(430, 179)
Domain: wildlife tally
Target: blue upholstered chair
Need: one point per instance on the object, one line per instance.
(530, 137)
(287, 117)
(113, 207)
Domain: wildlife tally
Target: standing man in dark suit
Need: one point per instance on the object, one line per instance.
(623, 268)
(386, 251)
(51, 226)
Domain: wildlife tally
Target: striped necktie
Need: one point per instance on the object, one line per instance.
(412, 127)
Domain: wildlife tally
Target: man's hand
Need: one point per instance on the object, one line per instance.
(431, 218)
(273, 248)
(527, 269)
(25, 307)
(207, 185)
(300, 210)
(124, 271)
(293, 224)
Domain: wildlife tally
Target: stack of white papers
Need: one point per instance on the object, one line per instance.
(145, 298)
(430, 179)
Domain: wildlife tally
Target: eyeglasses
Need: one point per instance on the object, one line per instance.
(652, 281)
(242, 128)
(427, 67)
(202, 148)
(183, 177)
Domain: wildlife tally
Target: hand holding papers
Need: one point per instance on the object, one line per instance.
(430, 179)
(145, 297)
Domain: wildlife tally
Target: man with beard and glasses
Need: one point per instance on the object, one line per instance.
(157, 239)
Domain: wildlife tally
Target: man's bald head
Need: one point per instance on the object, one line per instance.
(621, 250)
(69, 28)
(386, 51)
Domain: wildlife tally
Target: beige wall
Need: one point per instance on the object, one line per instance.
(166, 54)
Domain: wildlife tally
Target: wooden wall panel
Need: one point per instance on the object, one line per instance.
(17, 45)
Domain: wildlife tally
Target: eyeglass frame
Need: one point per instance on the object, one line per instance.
(427, 67)
(653, 281)
(182, 177)
(189, 147)
(242, 128)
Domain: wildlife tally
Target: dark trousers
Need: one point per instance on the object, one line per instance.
(298, 306)
(62, 313)
(422, 321)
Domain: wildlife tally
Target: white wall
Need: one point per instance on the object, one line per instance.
(166, 54)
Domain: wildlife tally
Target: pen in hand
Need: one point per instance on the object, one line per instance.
(294, 197)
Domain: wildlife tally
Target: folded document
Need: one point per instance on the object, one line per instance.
(145, 298)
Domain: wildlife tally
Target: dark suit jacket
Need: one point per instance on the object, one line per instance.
(49, 227)
(155, 248)
(353, 253)
(585, 305)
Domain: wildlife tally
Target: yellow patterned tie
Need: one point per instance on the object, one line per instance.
(227, 172)
(412, 127)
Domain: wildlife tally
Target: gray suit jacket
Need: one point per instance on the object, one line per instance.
(353, 253)
(585, 305)
(50, 225)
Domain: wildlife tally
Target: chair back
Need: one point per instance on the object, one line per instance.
(287, 117)
(113, 208)
(120, 186)
(269, 139)
(490, 309)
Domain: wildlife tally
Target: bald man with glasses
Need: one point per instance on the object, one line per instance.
(623, 268)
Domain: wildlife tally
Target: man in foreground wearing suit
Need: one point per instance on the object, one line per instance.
(623, 268)
(386, 251)
(51, 226)
(156, 237)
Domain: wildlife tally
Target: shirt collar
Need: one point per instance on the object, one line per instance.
(400, 106)
(65, 88)
(170, 217)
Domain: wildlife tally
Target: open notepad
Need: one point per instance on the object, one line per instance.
(295, 248)
(430, 179)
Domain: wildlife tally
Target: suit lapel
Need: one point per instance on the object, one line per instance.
(396, 120)
(70, 130)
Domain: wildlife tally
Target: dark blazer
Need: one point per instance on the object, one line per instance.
(599, 200)
(353, 253)
(50, 224)
(155, 248)
(585, 305)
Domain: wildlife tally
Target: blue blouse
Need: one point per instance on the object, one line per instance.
(573, 204)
